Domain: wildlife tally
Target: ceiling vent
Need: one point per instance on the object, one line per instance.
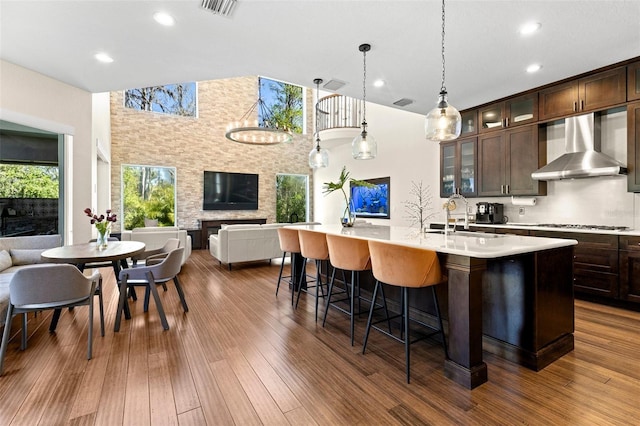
(333, 85)
(219, 7)
(403, 102)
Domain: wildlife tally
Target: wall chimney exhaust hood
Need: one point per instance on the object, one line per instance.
(582, 157)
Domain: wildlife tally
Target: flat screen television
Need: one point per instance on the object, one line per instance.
(230, 191)
(372, 202)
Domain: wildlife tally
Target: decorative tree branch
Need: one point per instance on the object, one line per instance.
(420, 207)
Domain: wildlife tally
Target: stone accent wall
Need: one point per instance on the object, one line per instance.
(193, 145)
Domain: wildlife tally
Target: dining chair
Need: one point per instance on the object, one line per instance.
(313, 246)
(149, 276)
(48, 286)
(407, 268)
(289, 243)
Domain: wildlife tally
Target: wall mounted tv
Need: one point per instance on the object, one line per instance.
(230, 191)
(372, 202)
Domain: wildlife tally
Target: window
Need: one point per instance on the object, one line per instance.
(284, 102)
(177, 99)
(28, 181)
(292, 198)
(148, 192)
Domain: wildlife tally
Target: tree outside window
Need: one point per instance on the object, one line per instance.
(176, 99)
(292, 198)
(28, 181)
(285, 103)
(148, 192)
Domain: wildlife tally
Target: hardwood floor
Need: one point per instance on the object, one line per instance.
(242, 356)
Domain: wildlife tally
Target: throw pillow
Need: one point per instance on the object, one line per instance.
(26, 256)
(5, 260)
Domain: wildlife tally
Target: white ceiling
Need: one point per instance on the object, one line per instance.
(297, 41)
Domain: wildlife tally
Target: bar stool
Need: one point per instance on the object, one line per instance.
(405, 267)
(289, 243)
(347, 254)
(313, 246)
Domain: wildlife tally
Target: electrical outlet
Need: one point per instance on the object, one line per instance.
(521, 211)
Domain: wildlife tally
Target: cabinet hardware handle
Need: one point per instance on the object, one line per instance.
(582, 105)
(502, 189)
(506, 122)
(575, 106)
(507, 189)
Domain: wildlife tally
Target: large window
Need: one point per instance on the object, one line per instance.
(292, 198)
(28, 181)
(285, 103)
(148, 192)
(176, 99)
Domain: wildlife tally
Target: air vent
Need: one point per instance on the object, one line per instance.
(403, 102)
(333, 85)
(219, 7)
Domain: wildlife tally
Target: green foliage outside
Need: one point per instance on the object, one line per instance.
(148, 192)
(285, 102)
(291, 198)
(27, 181)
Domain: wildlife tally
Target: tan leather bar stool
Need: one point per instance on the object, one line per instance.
(405, 267)
(347, 254)
(313, 246)
(289, 243)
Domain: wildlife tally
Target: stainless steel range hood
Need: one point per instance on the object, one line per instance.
(582, 157)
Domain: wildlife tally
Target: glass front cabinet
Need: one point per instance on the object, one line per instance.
(458, 164)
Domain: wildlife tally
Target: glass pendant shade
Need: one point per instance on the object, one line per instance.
(364, 146)
(444, 122)
(318, 157)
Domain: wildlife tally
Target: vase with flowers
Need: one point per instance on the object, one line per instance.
(103, 226)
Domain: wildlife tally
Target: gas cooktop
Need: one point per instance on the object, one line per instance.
(593, 227)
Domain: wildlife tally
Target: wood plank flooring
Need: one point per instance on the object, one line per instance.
(241, 356)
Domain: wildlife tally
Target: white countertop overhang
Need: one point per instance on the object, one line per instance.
(469, 244)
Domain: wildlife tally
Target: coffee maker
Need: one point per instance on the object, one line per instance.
(490, 213)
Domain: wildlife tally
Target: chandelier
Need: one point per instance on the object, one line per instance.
(444, 122)
(257, 127)
(318, 157)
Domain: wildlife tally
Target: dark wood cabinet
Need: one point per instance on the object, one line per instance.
(633, 147)
(506, 160)
(469, 123)
(212, 226)
(630, 268)
(595, 263)
(458, 165)
(512, 112)
(594, 92)
(633, 81)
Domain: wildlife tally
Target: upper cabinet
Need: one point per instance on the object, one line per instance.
(633, 147)
(597, 91)
(512, 112)
(458, 167)
(633, 81)
(506, 161)
(469, 123)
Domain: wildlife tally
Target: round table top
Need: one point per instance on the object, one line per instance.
(88, 252)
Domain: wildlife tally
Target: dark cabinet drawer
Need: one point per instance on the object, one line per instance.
(629, 243)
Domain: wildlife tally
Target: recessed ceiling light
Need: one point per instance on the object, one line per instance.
(530, 28)
(378, 83)
(534, 68)
(103, 57)
(164, 19)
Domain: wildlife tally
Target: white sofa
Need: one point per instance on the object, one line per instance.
(246, 243)
(154, 237)
(16, 253)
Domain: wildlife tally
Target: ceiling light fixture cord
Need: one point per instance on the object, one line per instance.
(318, 81)
(364, 86)
(443, 88)
(364, 146)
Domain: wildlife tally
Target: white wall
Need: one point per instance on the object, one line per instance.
(101, 137)
(405, 155)
(35, 100)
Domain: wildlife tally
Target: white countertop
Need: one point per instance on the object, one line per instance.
(537, 227)
(477, 245)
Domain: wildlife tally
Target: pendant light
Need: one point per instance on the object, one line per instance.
(443, 123)
(318, 157)
(364, 145)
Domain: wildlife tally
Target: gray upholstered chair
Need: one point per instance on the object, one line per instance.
(48, 286)
(148, 277)
(159, 253)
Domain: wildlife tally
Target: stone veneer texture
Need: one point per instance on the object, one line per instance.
(193, 145)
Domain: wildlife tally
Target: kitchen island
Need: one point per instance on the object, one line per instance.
(515, 293)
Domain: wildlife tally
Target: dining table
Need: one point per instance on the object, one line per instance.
(88, 254)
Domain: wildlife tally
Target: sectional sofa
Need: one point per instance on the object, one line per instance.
(246, 243)
(16, 253)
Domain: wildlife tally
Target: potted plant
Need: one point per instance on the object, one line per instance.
(348, 217)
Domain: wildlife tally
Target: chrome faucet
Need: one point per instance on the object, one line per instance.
(449, 206)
